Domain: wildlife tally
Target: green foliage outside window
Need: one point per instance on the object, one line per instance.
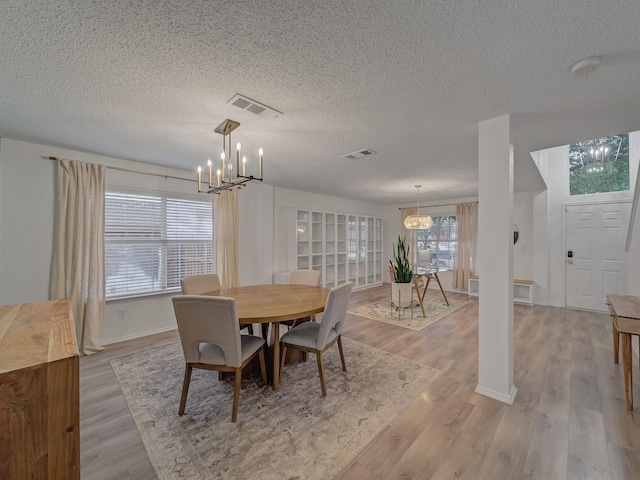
(599, 165)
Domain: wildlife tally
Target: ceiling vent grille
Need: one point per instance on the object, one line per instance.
(252, 106)
(360, 154)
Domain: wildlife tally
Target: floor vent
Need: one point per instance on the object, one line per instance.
(252, 106)
(360, 154)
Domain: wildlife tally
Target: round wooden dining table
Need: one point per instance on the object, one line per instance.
(273, 304)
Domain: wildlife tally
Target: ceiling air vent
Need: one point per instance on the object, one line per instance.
(252, 106)
(360, 154)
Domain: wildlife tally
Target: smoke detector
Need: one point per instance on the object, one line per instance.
(257, 108)
(360, 154)
(586, 65)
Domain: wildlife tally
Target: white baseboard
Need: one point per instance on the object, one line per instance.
(508, 399)
(138, 335)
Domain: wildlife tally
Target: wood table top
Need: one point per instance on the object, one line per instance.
(35, 333)
(627, 306)
(275, 303)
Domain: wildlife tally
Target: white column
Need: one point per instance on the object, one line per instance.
(495, 260)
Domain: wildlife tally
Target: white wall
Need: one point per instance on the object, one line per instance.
(522, 215)
(548, 224)
(523, 249)
(27, 197)
(256, 233)
(27, 188)
(27, 183)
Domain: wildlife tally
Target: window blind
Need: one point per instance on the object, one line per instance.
(154, 240)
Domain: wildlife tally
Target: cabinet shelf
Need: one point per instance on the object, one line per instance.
(344, 247)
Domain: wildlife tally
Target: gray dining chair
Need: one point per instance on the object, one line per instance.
(205, 283)
(305, 277)
(302, 277)
(317, 338)
(210, 335)
(199, 284)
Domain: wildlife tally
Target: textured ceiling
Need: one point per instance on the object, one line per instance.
(148, 80)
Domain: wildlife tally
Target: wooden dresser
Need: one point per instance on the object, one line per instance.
(39, 392)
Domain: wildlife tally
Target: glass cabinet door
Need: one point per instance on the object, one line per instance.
(352, 248)
(343, 247)
(362, 252)
(329, 278)
(303, 229)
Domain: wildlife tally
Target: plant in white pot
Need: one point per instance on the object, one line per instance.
(401, 272)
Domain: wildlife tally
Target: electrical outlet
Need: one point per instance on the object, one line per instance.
(121, 314)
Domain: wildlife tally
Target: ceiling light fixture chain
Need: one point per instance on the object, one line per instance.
(225, 177)
(417, 221)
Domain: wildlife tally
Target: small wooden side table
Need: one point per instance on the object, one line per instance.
(625, 316)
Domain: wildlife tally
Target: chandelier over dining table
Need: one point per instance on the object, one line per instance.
(417, 221)
(228, 177)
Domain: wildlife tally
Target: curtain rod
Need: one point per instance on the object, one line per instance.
(440, 205)
(141, 172)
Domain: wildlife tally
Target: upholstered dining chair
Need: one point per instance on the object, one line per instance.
(205, 283)
(305, 277)
(211, 340)
(317, 338)
(199, 284)
(302, 277)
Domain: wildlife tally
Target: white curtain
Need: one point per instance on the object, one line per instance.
(464, 263)
(77, 270)
(226, 236)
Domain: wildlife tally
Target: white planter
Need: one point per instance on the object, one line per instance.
(401, 294)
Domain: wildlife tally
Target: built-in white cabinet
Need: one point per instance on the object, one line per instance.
(344, 247)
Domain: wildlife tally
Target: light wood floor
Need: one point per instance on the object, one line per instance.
(568, 421)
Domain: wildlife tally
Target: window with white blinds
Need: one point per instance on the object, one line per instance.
(154, 240)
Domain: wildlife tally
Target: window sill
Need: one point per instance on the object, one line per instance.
(118, 298)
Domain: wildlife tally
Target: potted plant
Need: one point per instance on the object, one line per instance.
(402, 275)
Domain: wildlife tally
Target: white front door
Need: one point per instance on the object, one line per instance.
(596, 263)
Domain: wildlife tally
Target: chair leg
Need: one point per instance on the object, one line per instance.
(344, 365)
(236, 395)
(265, 330)
(263, 365)
(185, 388)
(321, 372)
(283, 354)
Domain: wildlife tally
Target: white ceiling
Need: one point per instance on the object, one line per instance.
(148, 80)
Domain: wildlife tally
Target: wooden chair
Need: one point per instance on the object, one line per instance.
(211, 340)
(316, 338)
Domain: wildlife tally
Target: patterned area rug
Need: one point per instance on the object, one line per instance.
(435, 308)
(292, 433)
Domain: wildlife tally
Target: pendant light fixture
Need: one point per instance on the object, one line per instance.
(417, 221)
(226, 179)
